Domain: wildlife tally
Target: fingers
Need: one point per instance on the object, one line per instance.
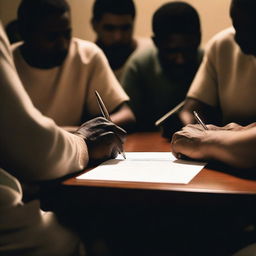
(188, 143)
(197, 127)
(104, 139)
(104, 125)
(177, 142)
(115, 142)
(103, 147)
(213, 127)
(250, 125)
(232, 126)
(95, 127)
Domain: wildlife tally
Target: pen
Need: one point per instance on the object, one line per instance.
(199, 120)
(105, 113)
(171, 112)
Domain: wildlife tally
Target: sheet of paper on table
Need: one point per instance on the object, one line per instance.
(156, 167)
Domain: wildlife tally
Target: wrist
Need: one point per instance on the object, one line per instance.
(209, 145)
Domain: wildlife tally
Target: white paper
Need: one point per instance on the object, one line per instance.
(156, 167)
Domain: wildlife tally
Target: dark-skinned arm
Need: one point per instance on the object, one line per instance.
(208, 113)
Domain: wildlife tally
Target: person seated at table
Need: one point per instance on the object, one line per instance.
(33, 148)
(158, 78)
(61, 73)
(232, 144)
(224, 87)
(113, 23)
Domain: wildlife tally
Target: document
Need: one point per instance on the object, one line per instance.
(156, 167)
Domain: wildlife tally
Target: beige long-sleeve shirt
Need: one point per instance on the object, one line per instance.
(32, 147)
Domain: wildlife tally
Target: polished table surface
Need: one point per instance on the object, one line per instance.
(217, 180)
(211, 211)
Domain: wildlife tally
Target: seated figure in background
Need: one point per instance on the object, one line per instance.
(61, 73)
(113, 23)
(157, 79)
(224, 87)
(33, 148)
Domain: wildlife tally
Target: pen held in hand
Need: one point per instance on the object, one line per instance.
(105, 113)
(199, 120)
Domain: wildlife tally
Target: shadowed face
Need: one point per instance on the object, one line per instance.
(115, 37)
(244, 23)
(49, 43)
(114, 29)
(177, 52)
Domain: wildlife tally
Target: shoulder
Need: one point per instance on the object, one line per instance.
(222, 39)
(225, 34)
(143, 56)
(143, 42)
(86, 51)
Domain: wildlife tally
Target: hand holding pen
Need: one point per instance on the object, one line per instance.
(100, 137)
(199, 120)
(188, 142)
(105, 114)
(103, 139)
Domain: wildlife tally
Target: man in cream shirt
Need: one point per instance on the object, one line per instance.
(61, 73)
(223, 90)
(113, 23)
(34, 148)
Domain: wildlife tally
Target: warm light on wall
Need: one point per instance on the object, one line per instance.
(214, 15)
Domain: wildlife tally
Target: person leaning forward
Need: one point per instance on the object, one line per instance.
(61, 73)
(34, 148)
(224, 87)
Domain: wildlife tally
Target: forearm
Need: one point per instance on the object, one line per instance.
(123, 117)
(236, 148)
(208, 113)
(186, 117)
(37, 151)
(32, 146)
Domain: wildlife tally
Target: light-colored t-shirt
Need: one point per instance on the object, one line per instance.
(66, 92)
(142, 43)
(152, 92)
(227, 79)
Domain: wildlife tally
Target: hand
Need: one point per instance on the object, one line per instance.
(231, 127)
(189, 141)
(104, 139)
(228, 127)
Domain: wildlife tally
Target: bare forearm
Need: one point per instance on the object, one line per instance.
(123, 117)
(186, 117)
(236, 148)
(208, 113)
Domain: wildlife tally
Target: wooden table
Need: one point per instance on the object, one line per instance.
(223, 181)
(209, 213)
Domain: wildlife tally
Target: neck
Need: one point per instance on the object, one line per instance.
(117, 54)
(35, 59)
